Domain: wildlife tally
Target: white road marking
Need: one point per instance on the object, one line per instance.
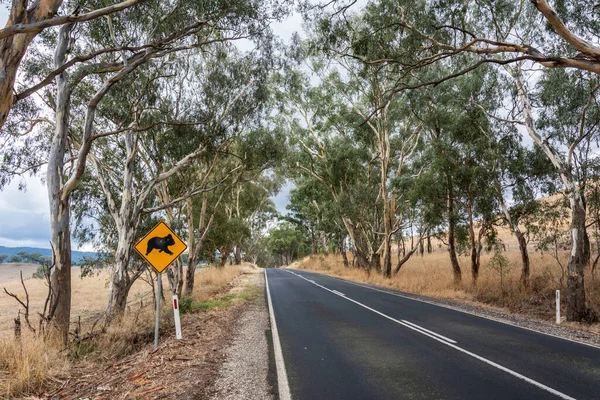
(458, 310)
(336, 292)
(478, 357)
(428, 331)
(282, 379)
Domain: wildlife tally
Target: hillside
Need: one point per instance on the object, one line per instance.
(76, 255)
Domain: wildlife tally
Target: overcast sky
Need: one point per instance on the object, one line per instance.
(24, 215)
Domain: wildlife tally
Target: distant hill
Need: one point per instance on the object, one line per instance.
(77, 256)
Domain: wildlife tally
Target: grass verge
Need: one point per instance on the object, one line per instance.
(29, 364)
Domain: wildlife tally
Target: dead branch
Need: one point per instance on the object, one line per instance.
(25, 304)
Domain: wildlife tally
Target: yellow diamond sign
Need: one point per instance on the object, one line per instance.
(160, 247)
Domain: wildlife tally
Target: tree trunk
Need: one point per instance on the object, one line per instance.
(59, 200)
(525, 270)
(238, 255)
(576, 305)
(362, 260)
(387, 258)
(406, 257)
(376, 262)
(474, 258)
(324, 243)
(13, 48)
(60, 280)
(429, 248)
(315, 242)
(120, 281)
(451, 236)
(342, 249)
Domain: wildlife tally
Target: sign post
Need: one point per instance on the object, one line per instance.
(158, 296)
(160, 247)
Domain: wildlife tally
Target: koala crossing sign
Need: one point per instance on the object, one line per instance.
(160, 247)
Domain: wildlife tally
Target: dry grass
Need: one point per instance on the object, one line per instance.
(26, 366)
(431, 275)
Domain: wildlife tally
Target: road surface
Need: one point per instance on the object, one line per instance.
(340, 340)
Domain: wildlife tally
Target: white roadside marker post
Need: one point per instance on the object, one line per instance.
(176, 317)
(558, 307)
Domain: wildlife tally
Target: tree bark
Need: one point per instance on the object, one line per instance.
(406, 257)
(14, 47)
(576, 304)
(451, 235)
(238, 255)
(474, 252)
(342, 250)
(525, 270)
(59, 198)
(324, 243)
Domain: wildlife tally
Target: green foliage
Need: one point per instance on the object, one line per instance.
(500, 264)
(15, 259)
(187, 305)
(41, 272)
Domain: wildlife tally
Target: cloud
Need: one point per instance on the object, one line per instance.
(24, 215)
(282, 199)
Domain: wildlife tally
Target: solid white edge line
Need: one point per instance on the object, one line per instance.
(282, 379)
(478, 357)
(367, 286)
(340, 293)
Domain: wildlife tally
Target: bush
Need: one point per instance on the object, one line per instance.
(185, 305)
(40, 272)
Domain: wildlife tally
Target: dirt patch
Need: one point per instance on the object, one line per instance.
(182, 369)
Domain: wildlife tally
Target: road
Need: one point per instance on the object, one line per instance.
(341, 340)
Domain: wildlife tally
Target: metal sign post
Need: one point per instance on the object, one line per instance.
(160, 247)
(158, 296)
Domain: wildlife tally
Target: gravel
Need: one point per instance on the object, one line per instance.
(245, 373)
(562, 331)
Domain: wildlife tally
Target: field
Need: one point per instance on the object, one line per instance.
(26, 366)
(10, 271)
(89, 294)
(431, 275)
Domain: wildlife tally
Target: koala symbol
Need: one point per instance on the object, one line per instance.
(160, 243)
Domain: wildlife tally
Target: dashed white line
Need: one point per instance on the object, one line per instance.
(338, 293)
(428, 331)
(445, 341)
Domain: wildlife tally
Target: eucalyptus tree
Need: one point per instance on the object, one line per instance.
(312, 209)
(427, 35)
(254, 206)
(288, 241)
(25, 22)
(102, 54)
(162, 168)
(328, 144)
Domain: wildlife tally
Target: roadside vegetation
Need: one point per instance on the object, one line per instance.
(466, 133)
(31, 363)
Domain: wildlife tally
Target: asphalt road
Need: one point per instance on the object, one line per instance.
(344, 341)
